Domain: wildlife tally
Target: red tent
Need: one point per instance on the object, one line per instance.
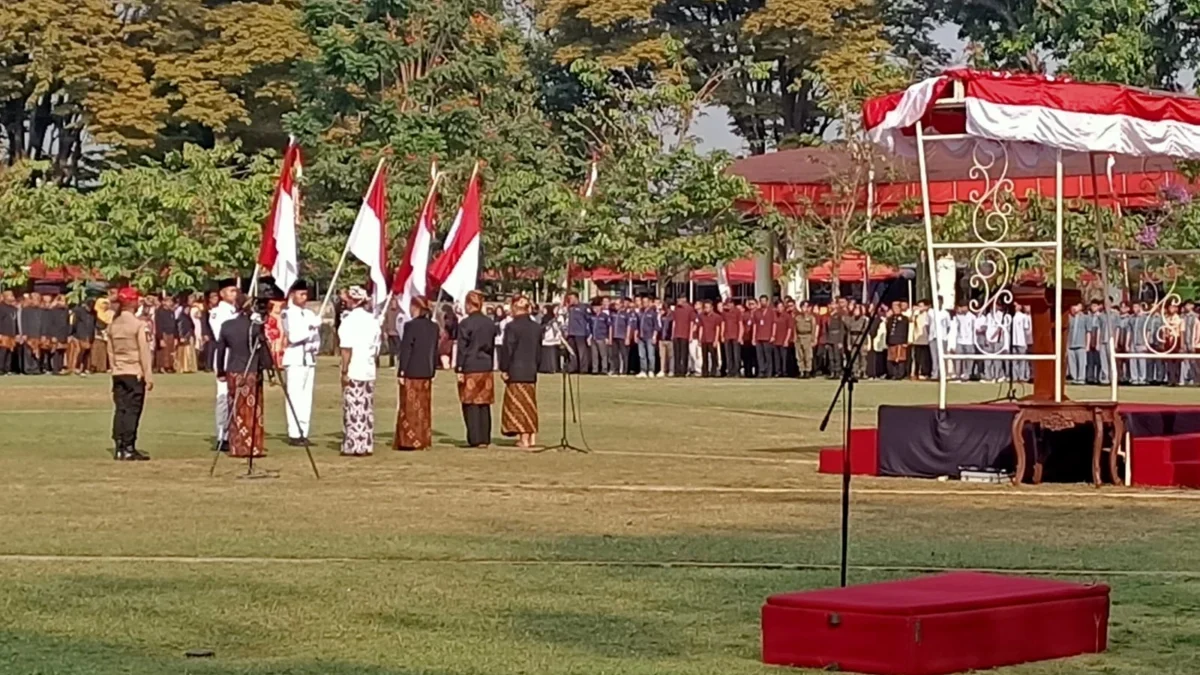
(852, 267)
(737, 272)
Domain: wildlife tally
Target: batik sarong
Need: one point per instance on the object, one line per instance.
(414, 423)
(520, 412)
(246, 433)
(358, 418)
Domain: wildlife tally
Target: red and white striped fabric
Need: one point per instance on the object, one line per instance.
(368, 240)
(277, 251)
(412, 275)
(457, 269)
(1054, 112)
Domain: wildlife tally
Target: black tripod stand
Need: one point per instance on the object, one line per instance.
(256, 340)
(568, 392)
(849, 359)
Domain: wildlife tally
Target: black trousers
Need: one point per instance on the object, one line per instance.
(681, 357)
(749, 360)
(922, 360)
(478, 419)
(6, 361)
(731, 351)
(32, 362)
(129, 397)
(577, 358)
(393, 342)
(708, 359)
(765, 352)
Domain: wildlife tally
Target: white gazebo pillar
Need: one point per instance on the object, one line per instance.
(764, 264)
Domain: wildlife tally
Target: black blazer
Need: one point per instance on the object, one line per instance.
(476, 344)
(164, 322)
(418, 349)
(522, 350)
(233, 347)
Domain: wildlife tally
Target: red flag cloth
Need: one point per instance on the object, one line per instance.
(457, 269)
(278, 250)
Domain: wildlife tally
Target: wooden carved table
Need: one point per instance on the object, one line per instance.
(1056, 416)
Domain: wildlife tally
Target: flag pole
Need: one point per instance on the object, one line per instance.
(337, 272)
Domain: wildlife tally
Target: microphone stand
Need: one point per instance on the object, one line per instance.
(256, 339)
(846, 385)
(564, 442)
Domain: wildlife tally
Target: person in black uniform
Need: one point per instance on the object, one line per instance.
(418, 355)
(243, 355)
(58, 327)
(29, 334)
(83, 333)
(476, 384)
(166, 334)
(519, 362)
(185, 346)
(8, 332)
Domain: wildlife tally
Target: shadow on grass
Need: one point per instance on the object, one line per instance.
(34, 653)
(606, 635)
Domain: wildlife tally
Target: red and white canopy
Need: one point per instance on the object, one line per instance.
(1054, 112)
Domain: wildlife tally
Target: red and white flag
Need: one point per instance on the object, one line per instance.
(277, 252)
(457, 269)
(593, 175)
(412, 275)
(368, 239)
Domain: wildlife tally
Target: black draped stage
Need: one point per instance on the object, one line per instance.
(924, 442)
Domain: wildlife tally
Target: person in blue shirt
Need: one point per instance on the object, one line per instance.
(647, 334)
(1138, 344)
(1077, 344)
(666, 335)
(622, 331)
(579, 332)
(601, 341)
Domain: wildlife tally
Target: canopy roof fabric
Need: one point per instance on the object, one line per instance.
(852, 267)
(1054, 112)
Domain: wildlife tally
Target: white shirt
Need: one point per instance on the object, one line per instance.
(946, 324)
(997, 328)
(217, 316)
(359, 333)
(302, 330)
(1022, 326)
(964, 328)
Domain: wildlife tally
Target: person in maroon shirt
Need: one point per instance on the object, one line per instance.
(749, 359)
(785, 335)
(683, 318)
(764, 337)
(732, 326)
(710, 336)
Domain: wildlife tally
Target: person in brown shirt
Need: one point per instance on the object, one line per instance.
(785, 336)
(683, 322)
(764, 337)
(749, 356)
(710, 337)
(733, 324)
(129, 354)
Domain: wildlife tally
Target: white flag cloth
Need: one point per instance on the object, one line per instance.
(368, 239)
(278, 249)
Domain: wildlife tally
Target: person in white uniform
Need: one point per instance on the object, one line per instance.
(227, 291)
(302, 340)
(943, 322)
(997, 328)
(1022, 339)
(964, 341)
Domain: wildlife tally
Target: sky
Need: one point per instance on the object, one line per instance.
(713, 128)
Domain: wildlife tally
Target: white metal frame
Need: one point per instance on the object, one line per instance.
(992, 271)
(1158, 310)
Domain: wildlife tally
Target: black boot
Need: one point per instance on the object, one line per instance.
(133, 455)
(119, 453)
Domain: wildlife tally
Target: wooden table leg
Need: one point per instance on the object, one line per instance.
(1019, 446)
(1039, 458)
(1118, 444)
(1097, 447)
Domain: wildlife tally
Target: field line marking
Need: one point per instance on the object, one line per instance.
(698, 455)
(663, 564)
(716, 489)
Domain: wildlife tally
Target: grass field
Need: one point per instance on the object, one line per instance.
(651, 554)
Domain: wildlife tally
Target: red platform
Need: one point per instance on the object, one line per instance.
(934, 625)
(1166, 461)
(864, 455)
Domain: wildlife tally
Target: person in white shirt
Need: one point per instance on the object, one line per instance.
(964, 341)
(996, 332)
(940, 321)
(302, 343)
(358, 337)
(227, 291)
(1022, 339)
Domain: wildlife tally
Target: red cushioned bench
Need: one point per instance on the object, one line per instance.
(1166, 461)
(864, 454)
(934, 625)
